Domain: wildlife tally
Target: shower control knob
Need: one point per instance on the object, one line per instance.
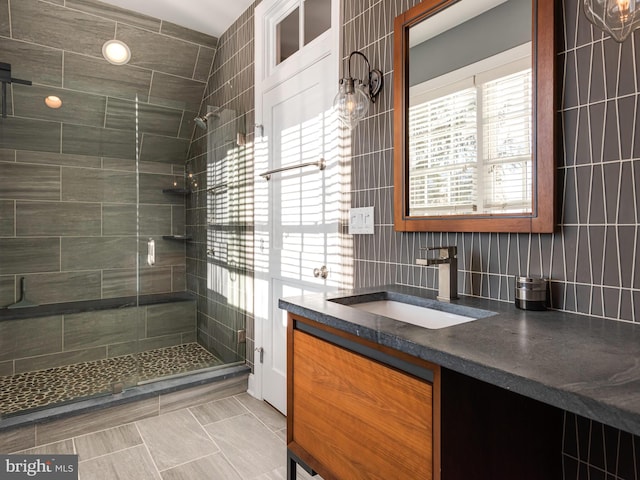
(321, 272)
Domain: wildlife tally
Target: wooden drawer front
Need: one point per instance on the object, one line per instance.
(358, 418)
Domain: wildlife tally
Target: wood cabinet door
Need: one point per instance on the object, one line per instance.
(359, 418)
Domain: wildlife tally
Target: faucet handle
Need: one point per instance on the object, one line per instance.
(445, 251)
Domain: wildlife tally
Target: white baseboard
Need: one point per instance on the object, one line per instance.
(253, 387)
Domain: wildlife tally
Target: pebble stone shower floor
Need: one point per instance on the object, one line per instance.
(27, 391)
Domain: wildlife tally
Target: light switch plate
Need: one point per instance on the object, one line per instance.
(361, 221)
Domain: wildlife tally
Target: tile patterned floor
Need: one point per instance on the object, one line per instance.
(32, 390)
(234, 438)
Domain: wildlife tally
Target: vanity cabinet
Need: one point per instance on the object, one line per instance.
(357, 410)
(492, 433)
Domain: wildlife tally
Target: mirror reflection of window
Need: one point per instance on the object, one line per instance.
(470, 119)
(470, 138)
(507, 133)
(443, 147)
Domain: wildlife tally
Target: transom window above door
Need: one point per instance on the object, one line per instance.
(301, 22)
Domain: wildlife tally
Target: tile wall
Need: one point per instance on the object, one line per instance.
(67, 176)
(597, 172)
(220, 259)
(592, 260)
(593, 451)
(66, 339)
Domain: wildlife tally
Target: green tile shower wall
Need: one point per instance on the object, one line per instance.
(67, 176)
(86, 336)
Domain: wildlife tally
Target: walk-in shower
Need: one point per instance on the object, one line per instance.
(98, 316)
(84, 190)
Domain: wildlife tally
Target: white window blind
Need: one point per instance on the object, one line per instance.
(507, 143)
(470, 144)
(443, 149)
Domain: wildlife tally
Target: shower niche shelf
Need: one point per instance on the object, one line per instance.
(178, 238)
(177, 191)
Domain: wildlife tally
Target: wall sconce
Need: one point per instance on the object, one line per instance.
(352, 100)
(616, 17)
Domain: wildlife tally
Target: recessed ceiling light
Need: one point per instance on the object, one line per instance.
(116, 52)
(53, 102)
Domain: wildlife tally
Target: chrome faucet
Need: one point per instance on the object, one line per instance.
(447, 271)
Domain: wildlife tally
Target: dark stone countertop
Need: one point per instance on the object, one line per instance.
(585, 365)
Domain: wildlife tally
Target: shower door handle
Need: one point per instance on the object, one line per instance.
(151, 252)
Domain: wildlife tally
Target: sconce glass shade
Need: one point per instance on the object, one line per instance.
(619, 18)
(351, 102)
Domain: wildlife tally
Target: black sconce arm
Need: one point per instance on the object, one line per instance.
(374, 76)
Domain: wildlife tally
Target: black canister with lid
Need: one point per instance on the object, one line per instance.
(531, 293)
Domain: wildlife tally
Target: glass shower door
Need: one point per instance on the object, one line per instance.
(173, 196)
(228, 289)
(69, 315)
(92, 183)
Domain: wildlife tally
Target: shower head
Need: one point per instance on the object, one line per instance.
(202, 120)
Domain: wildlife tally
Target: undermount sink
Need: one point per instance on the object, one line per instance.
(422, 312)
(413, 314)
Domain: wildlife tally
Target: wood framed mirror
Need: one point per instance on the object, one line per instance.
(474, 116)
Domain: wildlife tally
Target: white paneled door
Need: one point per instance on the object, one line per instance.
(297, 237)
(297, 211)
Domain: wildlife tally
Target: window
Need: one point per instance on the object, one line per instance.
(288, 36)
(313, 22)
(471, 140)
(317, 19)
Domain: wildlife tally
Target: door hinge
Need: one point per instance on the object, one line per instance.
(261, 351)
